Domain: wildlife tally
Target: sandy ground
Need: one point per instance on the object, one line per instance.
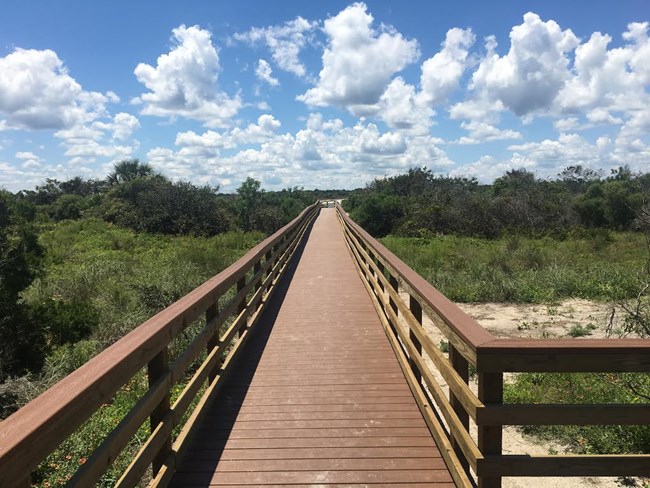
(557, 320)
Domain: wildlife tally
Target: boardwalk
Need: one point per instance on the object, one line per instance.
(318, 397)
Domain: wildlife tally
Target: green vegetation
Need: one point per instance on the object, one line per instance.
(420, 203)
(586, 388)
(593, 264)
(99, 281)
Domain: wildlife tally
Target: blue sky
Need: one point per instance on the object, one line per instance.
(321, 94)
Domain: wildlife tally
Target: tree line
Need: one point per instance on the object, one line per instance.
(419, 203)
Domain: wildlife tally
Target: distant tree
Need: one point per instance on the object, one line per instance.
(22, 342)
(577, 178)
(128, 170)
(158, 205)
(249, 196)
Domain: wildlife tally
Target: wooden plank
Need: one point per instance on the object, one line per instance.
(318, 477)
(597, 465)
(355, 463)
(316, 442)
(313, 453)
(583, 414)
(565, 355)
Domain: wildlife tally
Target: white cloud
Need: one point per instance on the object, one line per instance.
(284, 41)
(442, 72)
(531, 75)
(264, 72)
(36, 92)
(29, 160)
(609, 80)
(401, 108)
(122, 127)
(483, 132)
(323, 153)
(184, 81)
(211, 142)
(358, 62)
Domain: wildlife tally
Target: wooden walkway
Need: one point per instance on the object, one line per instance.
(318, 397)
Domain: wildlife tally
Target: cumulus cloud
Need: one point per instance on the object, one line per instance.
(213, 141)
(530, 76)
(86, 144)
(264, 73)
(121, 127)
(442, 72)
(358, 62)
(184, 81)
(609, 81)
(325, 150)
(284, 41)
(483, 132)
(402, 108)
(36, 92)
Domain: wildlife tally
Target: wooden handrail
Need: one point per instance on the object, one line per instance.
(37, 429)
(386, 276)
(453, 322)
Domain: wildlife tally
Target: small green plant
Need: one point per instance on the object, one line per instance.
(579, 330)
(524, 326)
(444, 346)
(551, 310)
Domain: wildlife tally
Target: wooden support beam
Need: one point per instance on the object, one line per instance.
(156, 369)
(490, 391)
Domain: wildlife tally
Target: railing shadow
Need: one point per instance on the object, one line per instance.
(199, 464)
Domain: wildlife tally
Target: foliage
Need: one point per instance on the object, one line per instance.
(22, 346)
(529, 270)
(602, 388)
(129, 170)
(158, 205)
(516, 202)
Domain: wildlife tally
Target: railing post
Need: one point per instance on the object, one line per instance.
(416, 310)
(267, 258)
(395, 286)
(156, 369)
(490, 392)
(461, 365)
(256, 267)
(241, 284)
(380, 266)
(210, 314)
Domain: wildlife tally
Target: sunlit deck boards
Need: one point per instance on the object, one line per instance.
(318, 396)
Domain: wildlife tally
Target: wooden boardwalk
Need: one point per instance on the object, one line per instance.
(318, 397)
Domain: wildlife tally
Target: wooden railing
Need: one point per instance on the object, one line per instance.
(36, 430)
(402, 297)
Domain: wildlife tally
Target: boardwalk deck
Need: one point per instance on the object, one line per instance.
(318, 396)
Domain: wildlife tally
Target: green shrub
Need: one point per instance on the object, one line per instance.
(579, 388)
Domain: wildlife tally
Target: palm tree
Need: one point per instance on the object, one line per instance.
(129, 169)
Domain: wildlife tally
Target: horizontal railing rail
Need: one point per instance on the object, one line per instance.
(402, 298)
(28, 436)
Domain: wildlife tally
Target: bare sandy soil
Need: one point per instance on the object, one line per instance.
(538, 321)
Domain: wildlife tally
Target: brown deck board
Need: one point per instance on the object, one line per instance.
(318, 397)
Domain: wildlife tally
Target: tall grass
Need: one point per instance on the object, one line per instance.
(597, 266)
(124, 278)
